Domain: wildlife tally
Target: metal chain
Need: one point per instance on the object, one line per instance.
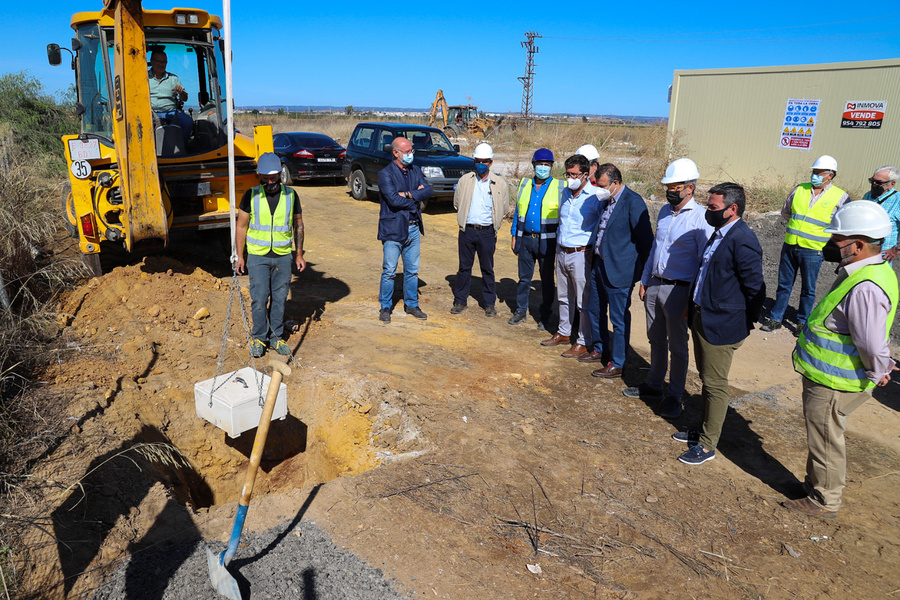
(235, 285)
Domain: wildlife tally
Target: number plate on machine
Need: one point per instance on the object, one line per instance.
(327, 160)
(84, 149)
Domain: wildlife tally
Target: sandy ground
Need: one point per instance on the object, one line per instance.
(503, 470)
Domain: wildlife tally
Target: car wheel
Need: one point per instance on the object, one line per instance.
(358, 185)
(286, 175)
(68, 207)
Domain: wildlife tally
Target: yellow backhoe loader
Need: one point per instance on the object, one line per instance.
(459, 120)
(136, 172)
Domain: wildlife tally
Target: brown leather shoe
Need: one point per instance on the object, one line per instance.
(575, 351)
(607, 372)
(556, 340)
(808, 507)
(591, 357)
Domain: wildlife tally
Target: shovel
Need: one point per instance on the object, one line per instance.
(221, 579)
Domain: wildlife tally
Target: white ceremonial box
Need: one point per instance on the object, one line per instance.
(236, 406)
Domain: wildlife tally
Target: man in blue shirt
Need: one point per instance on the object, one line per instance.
(681, 236)
(884, 192)
(578, 217)
(402, 188)
(534, 225)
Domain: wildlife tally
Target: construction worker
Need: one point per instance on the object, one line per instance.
(843, 351)
(590, 152)
(481, 200)
(884, 191)
(269, 219)
(808, 211)
(534, 225)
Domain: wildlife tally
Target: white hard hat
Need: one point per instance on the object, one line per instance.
(268, 164)
(682, 169)
(483, 151)
(861, 217)
(589, 152)
(825, 162)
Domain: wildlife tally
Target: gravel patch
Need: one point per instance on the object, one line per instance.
(296, 562)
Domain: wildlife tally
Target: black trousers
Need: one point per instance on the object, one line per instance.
(482, 242)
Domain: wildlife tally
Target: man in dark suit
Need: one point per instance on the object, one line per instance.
(620, 248)
(402, 188)
(727, 295)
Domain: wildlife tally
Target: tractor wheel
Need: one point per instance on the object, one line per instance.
(68, 207)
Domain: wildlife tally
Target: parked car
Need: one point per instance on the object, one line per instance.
(308, 156)
(369, 151)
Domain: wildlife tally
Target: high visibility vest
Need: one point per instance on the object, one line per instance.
(829, 358)
(270, 231)
(549, 206)
(806, 227)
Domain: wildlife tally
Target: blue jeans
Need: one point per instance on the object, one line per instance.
(808, 262)
(529, 252)
(270, 280)
(603, 298)
(409, 252)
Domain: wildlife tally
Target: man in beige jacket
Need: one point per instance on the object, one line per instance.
(481, 200)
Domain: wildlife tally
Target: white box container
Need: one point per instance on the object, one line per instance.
(236, 405)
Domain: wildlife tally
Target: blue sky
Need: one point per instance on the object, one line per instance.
(616, 60)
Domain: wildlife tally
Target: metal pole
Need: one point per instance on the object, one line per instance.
(229, 108)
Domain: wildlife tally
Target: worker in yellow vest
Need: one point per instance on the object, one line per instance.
(534, 225)
(269, 222)
(843, 351)
(808, 211)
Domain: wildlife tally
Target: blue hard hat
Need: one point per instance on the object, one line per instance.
(542, 154)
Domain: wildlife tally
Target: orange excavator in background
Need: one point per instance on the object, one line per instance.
(134, 176)
(461, 119)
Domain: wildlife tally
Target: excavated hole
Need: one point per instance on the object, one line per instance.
(333, 428)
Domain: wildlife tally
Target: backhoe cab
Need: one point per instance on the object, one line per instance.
(136, 170)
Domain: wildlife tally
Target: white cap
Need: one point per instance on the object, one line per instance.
(589, 152)
(825, 162)
(268, 164)
(483, 150)
(860, 217)
(682, 169)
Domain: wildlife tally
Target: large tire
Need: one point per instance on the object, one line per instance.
(452, 131)
(68, 208)
(286, 178)
(357, 185)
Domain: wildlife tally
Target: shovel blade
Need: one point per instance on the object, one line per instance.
(221, 579)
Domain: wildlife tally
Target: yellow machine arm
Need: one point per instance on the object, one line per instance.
(145, 215)
(440, 103)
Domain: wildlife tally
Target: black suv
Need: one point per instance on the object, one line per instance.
(369, 151)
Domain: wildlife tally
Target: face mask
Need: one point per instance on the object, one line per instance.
(573, 184)
(481, 169)
(272, 187)
(816, 180)
(407, 159)
(673, 198)
(716, 218)
(542, 171)
(834, 253)
(876, 192)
